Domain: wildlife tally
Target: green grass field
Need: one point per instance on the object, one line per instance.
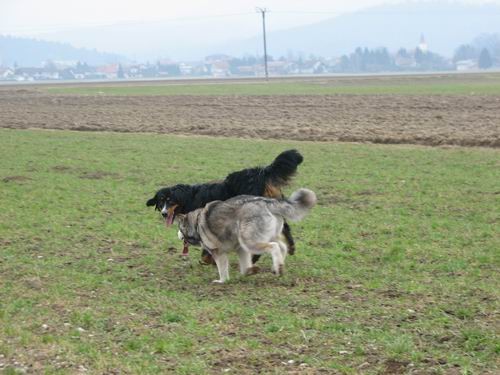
(484, 84)
(396, 269)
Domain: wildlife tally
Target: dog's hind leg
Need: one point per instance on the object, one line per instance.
(289, 239)
(287, 232)
(278, 259)
(284, 249)
(222, 262)
(275, 250)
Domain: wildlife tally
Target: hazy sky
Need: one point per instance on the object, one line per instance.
(35, 16)
(150, 29)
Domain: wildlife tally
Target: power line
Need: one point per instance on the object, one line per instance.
(65, 27)
(303, 12)
(372, 12)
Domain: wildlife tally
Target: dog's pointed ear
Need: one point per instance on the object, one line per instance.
(181, 216)
(151, 202)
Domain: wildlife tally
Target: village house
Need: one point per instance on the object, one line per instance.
(312, 67)
(109, 71)
(246, 70)
(407, 61)
(464, 65)
(6, 74)
(185, 69)
(201, 69)
(36, 74)
(277, 67)
(217, 57)
(219, 65)
(220, 69)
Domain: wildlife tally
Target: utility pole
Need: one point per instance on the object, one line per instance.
(263, 12)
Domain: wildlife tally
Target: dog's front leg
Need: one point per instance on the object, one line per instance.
(222, 262)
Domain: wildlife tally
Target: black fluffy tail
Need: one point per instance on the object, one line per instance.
(282, 169)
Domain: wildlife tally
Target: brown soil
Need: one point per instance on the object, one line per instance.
(428, 120)
(15, 179)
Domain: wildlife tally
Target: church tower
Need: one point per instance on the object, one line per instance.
(422, 46)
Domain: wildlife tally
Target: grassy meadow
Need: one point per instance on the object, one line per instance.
(445, 84)
(396, 269)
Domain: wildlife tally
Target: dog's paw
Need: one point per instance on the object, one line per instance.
(218, 282)
(280, 270)
(252, 270)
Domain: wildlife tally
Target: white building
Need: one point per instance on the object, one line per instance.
(464, 65)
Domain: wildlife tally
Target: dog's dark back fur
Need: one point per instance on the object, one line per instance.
(254, 181)
(191, 197)
(251, 181)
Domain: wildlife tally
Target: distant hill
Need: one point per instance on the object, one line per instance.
(444, 25)
(33, 52)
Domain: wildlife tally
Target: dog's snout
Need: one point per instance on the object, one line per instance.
(164, 211)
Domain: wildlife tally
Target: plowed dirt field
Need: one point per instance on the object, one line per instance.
(466, 120)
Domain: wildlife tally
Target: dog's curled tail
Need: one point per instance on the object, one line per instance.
(297, 206)
(282, 169)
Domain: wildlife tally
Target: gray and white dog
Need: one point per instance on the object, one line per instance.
(246, 224)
